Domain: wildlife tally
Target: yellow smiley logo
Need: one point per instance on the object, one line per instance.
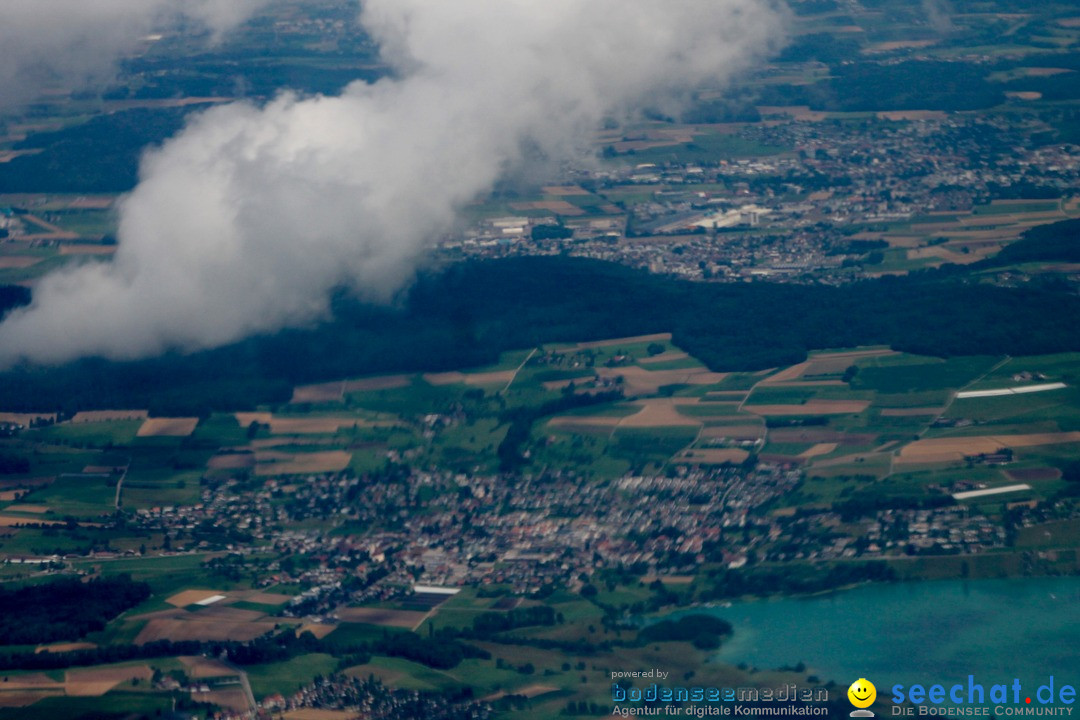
(862, 693)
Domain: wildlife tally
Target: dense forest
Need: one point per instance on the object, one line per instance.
(448, 321)
(65, 609)
(101, 155)
(1059, 242)
(910, 84)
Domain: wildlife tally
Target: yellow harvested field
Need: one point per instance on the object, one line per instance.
(935, 450)
(316, 714)
(36, 509)
(911, 412)
(65, 647)
(17, 262)
(660, 412)
(93, 682)
(379, 616)
(190, 597)
(319, 630)
(9, 495)
(818, 450)
(714, 457)
(1024, 95)
(278, 463)
(168, 427)
(90, 416)
(811, 407)
(1073, 22)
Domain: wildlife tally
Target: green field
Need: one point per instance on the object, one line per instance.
(926, 376)
(113, 704)
(287, 677)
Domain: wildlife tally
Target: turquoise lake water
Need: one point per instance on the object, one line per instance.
(931, 632)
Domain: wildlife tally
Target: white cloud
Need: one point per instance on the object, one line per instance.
(75, 44)
(246, 220)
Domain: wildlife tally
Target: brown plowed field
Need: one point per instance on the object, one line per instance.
(381, 616)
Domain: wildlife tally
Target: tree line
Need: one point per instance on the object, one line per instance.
(65, 609)
(450, 322)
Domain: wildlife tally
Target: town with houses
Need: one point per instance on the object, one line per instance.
(817, 209)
